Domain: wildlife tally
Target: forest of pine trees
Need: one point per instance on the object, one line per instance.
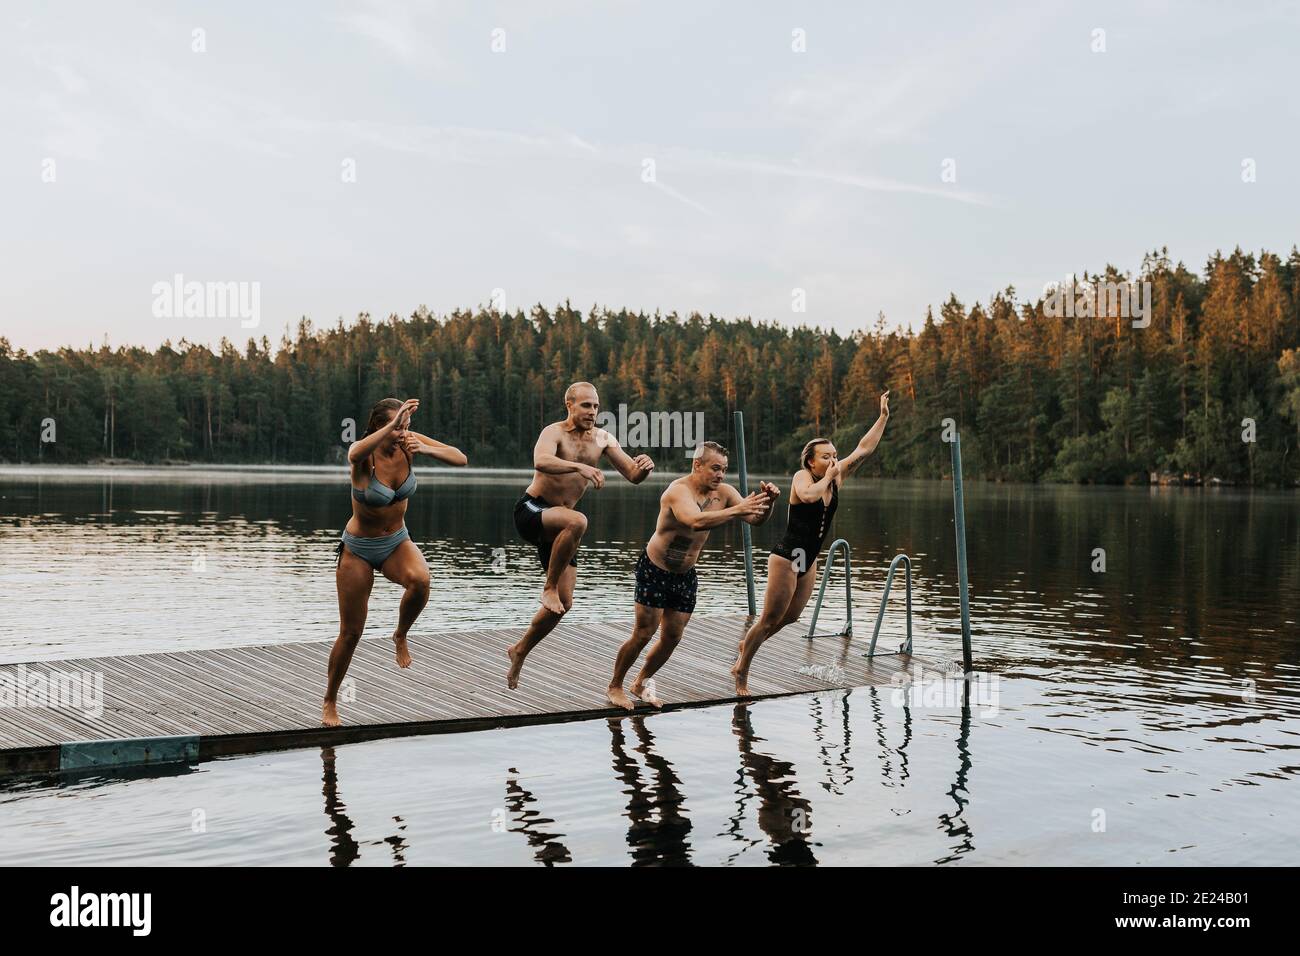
(1036, 397)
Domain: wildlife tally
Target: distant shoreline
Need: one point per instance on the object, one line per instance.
(196, 472)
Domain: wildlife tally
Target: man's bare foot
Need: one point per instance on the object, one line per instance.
(619, 698)
(516, 665)
(742, 680)
(403, 654)
(645, 692)
(329, 714)
(551, 601)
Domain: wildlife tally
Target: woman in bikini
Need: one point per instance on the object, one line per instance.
(792, 564)
(376, 539)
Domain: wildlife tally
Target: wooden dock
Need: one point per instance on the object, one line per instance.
(193, 705)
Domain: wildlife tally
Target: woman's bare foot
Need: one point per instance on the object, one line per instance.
(403, 654)
(618, 697)
(551, 601)
(645, 692)
(329, 714)
(742, 680)
(516, 665)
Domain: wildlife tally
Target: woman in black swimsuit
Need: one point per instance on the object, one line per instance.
(792, 565)
(382, 463)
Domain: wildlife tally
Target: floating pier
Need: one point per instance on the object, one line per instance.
(183, 707)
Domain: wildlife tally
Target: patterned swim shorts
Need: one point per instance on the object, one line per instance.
(656, 587)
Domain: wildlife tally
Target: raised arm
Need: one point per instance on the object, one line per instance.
(424, 445)
(360, 450)
(868, 442)
(684, 509)
(635, 470)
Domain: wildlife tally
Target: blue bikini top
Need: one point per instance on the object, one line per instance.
(378, 495)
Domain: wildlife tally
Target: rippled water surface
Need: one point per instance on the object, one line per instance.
(1147, 713)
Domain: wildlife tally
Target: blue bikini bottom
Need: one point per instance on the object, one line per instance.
(374, 550)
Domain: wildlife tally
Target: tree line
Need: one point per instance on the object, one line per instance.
(1209, 389)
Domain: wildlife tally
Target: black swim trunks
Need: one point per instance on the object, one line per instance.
(528, 522)
(656, 587)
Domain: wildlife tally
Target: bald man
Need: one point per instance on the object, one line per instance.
(566, 462)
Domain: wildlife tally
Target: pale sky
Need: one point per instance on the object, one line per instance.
(522, 170)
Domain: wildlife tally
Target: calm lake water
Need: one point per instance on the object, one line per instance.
(1147, 714)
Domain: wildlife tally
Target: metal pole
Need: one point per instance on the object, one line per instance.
(744, 525)
(959, 520)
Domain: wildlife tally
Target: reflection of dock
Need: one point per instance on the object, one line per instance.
(160, 708)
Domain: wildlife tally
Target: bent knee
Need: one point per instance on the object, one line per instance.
(419, 583)
(577, 523)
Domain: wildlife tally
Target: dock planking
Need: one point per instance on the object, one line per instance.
(249, 699)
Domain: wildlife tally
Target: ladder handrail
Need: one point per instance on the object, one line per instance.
(884, 599)
(848, 589)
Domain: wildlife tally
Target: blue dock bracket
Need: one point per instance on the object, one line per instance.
(848, 591)
(906, 562)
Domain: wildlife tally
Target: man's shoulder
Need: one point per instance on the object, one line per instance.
(676, 485)
(728, 492)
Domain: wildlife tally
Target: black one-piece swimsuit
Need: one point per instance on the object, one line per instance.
(806, 528)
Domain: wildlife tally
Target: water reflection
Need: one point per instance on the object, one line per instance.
(835, 757)
(954, 823)
(344, 849)
(531, 823)
(783, 814)
(659, 828)
(894, 776)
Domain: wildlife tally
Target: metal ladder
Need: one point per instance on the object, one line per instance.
(847, 630)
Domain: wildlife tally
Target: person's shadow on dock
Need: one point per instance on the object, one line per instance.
(658, 831)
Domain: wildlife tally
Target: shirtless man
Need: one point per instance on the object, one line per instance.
(689, 509)
(565, 461)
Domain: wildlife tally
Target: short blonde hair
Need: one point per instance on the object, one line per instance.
(568, 392)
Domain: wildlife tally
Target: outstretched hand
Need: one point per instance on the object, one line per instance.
(644, 464)
(884, 404)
